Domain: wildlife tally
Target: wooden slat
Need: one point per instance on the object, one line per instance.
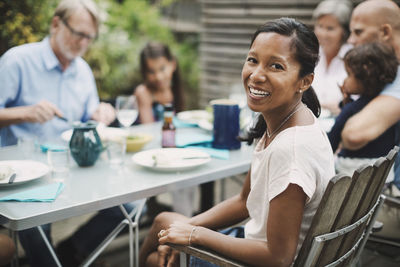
(280, 3)
(326, 213)
(262, 12)
(226, 40)
(367, 199)
(360, 180)
(256, 22)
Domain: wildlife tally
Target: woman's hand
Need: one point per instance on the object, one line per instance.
(177, 233)
(167, 256)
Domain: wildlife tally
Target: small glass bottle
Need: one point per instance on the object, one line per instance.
(168, 128)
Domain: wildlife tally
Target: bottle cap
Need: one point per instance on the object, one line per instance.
(168, 107)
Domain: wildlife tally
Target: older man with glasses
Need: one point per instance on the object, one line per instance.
(45, 80)
(42, 82)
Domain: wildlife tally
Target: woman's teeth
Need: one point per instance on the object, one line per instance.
(258, 92)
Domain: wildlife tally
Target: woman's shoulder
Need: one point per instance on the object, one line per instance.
(143, 93)
(307, 137)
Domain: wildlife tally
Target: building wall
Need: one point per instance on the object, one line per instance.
(226, 30)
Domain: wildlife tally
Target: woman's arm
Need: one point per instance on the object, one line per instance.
(283, 228)
(226, 213)
(145, 101)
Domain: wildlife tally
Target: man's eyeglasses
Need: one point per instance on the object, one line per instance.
(77, 34)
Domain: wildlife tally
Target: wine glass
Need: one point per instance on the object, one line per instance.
(127, 110)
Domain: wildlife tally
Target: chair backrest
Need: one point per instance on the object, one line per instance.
(343, 219)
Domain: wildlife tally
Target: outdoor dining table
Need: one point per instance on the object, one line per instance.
(89, 189)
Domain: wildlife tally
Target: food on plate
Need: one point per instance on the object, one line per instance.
(5, 171)
(161, 158)
(133, 137)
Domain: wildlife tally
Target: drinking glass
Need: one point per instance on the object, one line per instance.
(58, 159)
(116, 149)
(127, 110)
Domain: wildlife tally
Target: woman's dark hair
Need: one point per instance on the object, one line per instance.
(156, 50)
(306, 47)
(374, 65)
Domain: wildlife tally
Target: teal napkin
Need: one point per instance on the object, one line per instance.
(44, 193)
(45, 147)
(182, 124)
(184, 139)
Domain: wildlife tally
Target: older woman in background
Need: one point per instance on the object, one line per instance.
(332, 30)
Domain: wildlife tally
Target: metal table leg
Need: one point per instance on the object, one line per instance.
(49, 246)
(137, 212)
(14, 237)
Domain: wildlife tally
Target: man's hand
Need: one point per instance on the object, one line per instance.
(41, 112)
(105, 113)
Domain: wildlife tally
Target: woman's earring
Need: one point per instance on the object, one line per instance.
(300, 91)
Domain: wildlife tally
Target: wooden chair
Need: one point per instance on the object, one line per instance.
(392, 208)
(341, 224)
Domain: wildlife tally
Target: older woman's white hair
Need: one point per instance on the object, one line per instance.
(341, 9)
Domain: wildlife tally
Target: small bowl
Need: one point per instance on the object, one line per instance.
(135, 142)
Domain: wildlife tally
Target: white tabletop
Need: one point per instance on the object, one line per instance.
(101, 186)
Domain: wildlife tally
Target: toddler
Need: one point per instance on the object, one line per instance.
(369, 68)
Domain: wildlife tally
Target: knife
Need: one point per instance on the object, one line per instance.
(12, 178)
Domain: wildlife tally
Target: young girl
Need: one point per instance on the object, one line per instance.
(291, 166)
(369, 68)
(161, 85)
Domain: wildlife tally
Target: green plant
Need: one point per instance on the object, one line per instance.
(24, 21)
(114, 57)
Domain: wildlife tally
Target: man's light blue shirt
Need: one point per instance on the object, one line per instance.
(30, 73)
(393, 89)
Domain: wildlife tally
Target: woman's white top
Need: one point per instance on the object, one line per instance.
(327, 78)
(300, 155)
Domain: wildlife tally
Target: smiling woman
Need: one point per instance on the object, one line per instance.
(291, 165)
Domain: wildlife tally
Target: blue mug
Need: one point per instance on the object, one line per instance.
(226, 124)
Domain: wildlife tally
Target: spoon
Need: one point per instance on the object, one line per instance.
(12, 178)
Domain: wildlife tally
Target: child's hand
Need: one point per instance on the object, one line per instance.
(346, 97)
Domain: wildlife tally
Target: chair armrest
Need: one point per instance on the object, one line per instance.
(392, 202)
(207, 255)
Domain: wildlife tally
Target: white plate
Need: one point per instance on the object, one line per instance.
(105, 133)
(194, 116)
(171, 159)
(27, 170)
(206, 125)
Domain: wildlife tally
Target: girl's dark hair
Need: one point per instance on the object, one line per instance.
(156, 50)
(374, 65)
(306, 47)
